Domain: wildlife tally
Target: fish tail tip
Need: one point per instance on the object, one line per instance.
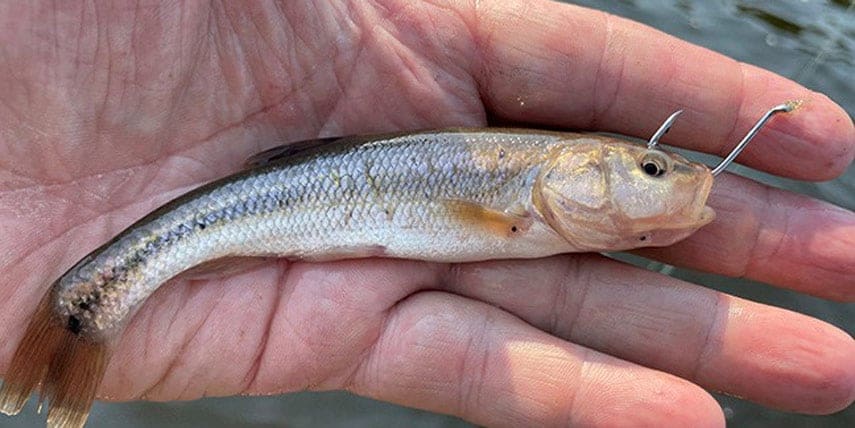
(9, 403)
(13, 396)
(66, 418)
(65, 368)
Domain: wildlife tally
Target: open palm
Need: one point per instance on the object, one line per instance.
(109, 110)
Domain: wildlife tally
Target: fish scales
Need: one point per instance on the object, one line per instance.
(388, 197)
(454, 195)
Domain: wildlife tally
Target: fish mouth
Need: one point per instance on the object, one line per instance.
(704, 217)
(697, 218)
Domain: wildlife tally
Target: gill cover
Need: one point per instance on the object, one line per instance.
(571, 193)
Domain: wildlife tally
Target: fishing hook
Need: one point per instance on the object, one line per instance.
(786, 107)
(663, 129)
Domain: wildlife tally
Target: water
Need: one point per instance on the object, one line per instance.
(810, 41)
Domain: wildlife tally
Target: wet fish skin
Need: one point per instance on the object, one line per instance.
(392, 197)
(451, 196)
(395, 196)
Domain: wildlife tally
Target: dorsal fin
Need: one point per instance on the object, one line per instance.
(286, 150)
(289, 150)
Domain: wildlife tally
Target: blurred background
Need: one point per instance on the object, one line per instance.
(809, 41)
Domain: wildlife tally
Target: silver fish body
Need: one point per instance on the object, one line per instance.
(392, 197)
(451, 196)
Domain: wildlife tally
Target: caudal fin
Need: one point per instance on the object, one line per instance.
(65, 367)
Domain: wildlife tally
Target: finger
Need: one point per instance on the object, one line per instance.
(330, 327)
(772, 236)
(565, 65)
(281, 327)
(444, 353)
(764, 354)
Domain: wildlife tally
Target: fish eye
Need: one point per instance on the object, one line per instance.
(654, 164)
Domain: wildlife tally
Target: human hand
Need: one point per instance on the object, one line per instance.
(109, 112)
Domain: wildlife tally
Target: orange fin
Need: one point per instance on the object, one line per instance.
(66, 367)
(510, 222)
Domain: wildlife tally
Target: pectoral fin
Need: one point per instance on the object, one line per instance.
(509, 222)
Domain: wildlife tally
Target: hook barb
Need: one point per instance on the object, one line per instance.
(786, 107)
(663, 129)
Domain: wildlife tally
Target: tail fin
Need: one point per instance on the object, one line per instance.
(66, 367)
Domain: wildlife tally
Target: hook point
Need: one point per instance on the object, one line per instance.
(663, 129)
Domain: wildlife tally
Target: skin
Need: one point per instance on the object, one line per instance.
(107, 112)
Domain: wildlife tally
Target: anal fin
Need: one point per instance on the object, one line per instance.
(223, 267)
(345, 252)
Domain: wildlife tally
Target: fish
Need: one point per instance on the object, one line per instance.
(453, 195)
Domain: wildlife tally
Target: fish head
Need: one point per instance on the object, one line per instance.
(607, 194)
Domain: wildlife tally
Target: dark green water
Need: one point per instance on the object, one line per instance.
(809, 41)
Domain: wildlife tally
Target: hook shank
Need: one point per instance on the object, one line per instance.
(786, 107)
